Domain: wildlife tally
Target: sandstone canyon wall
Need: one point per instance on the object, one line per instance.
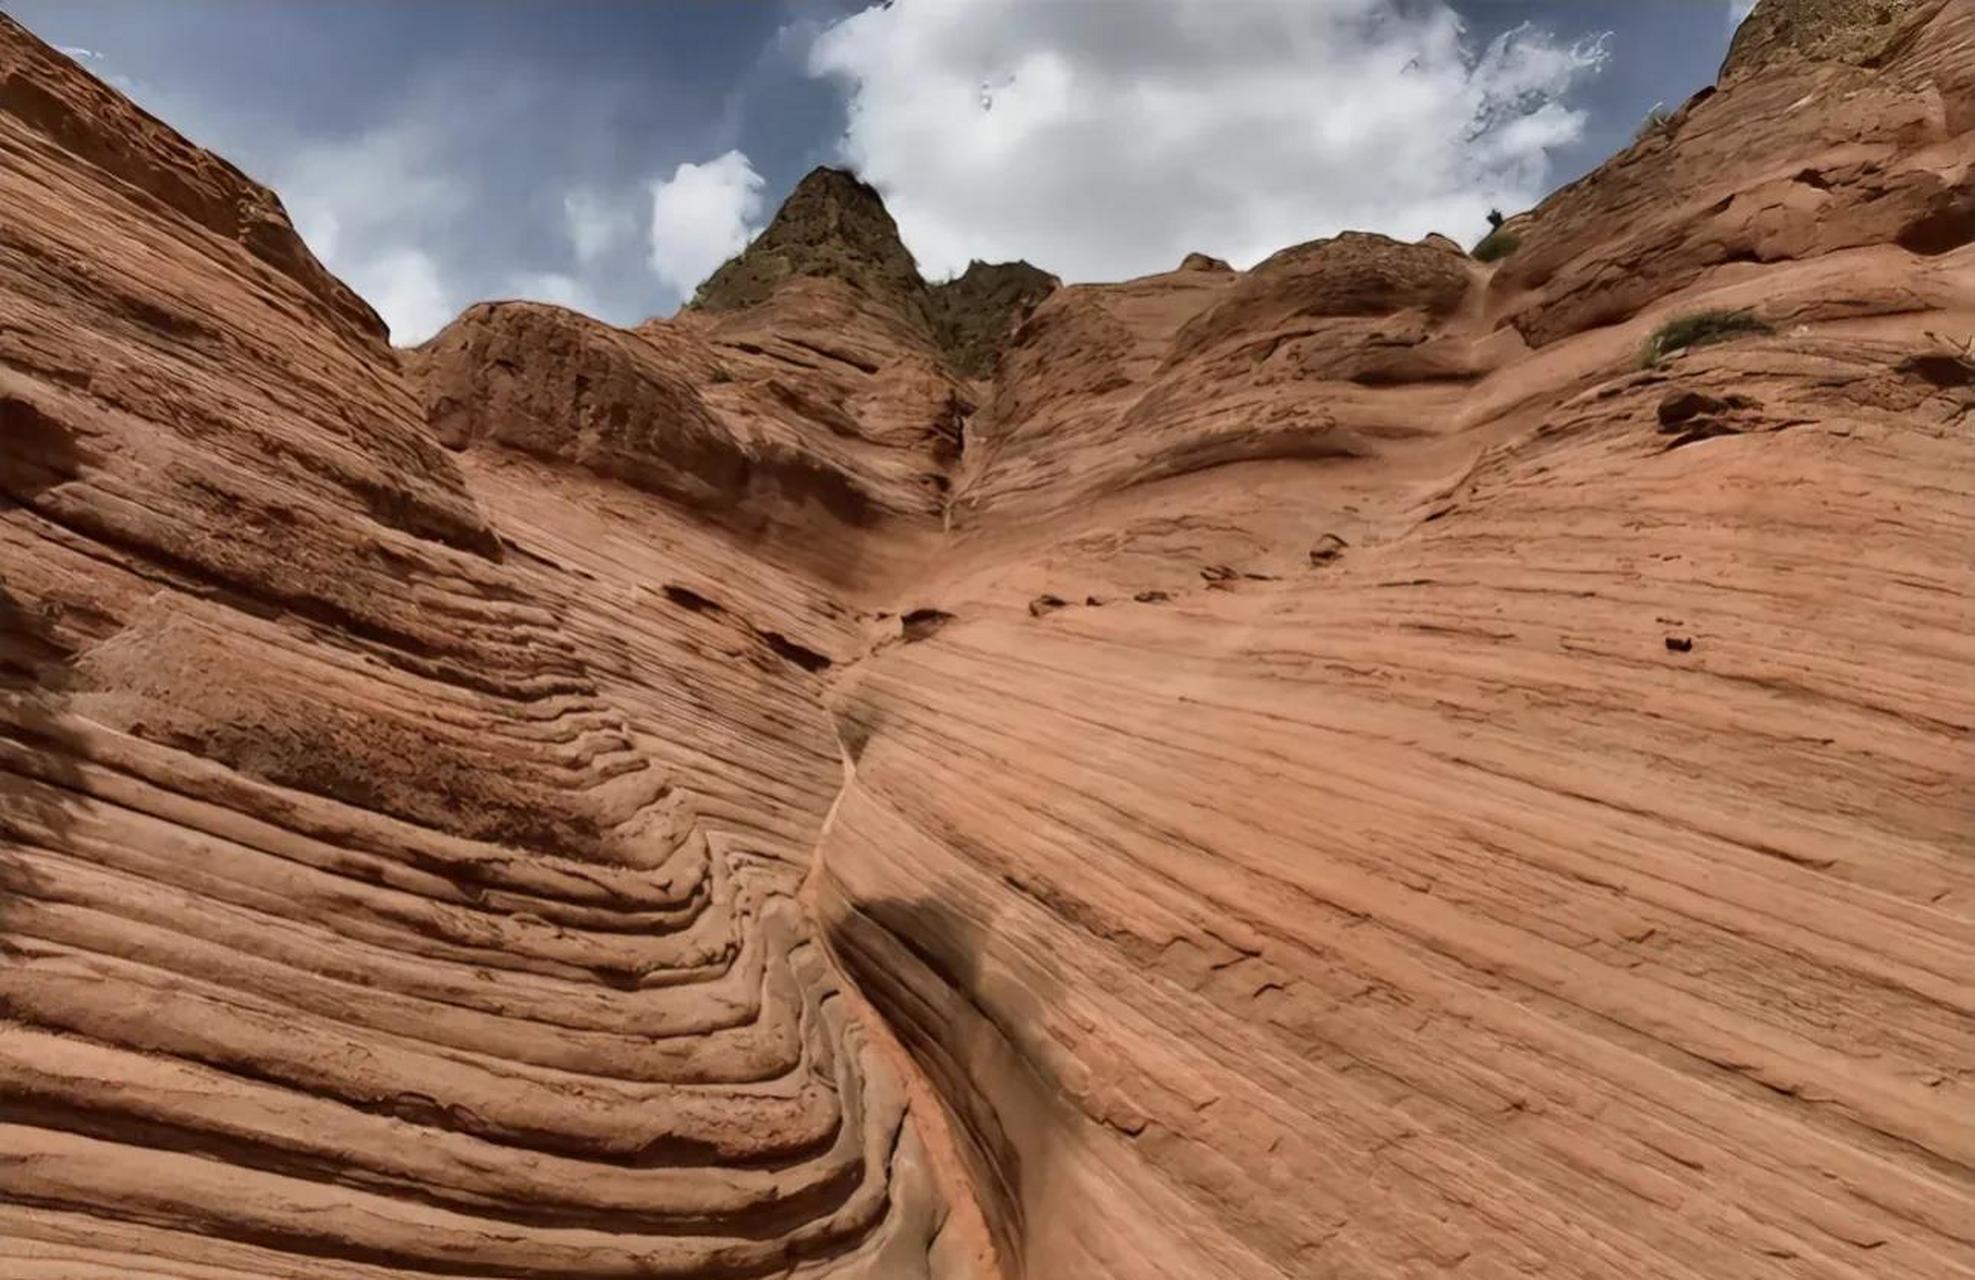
(1338, 769)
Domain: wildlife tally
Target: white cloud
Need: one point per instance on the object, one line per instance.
(405, 287)
(701, 216)
(554, 286)
(364, 205)
(77, 53)
(595, 224)
(1099, 149)
(376, 209)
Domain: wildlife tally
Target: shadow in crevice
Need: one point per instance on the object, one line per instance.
(37, 451)
(923, 964)
(40, 777)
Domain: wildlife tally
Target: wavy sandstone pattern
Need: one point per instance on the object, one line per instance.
(1326, 770)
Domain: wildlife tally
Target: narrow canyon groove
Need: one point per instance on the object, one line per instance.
(1232, 774)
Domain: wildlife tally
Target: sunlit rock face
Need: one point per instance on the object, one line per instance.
(1339, 768)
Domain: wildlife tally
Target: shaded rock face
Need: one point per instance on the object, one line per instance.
(562, 387)
(974, 312)
(1326, 769)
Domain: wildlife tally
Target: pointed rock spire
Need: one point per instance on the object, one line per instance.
(832, 225)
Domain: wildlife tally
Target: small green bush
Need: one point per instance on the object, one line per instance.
(1699, 329)
(1496, 245)
(720, 374)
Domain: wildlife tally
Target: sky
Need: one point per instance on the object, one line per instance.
(608, 156)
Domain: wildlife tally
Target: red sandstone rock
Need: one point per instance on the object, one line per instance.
(583, 801)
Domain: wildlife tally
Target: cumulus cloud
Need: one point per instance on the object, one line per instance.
(405, 287)
(366, 205)
(373, 206)
(1101, 149)
(701, 216)
(596, 224)
(554, 286)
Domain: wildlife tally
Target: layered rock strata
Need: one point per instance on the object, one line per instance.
(1339, 768)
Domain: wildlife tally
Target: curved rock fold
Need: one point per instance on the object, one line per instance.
(1338, 768)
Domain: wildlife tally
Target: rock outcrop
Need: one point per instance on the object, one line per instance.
(974, 311)
(1338, 768)
(835, 227)
(1862, 33)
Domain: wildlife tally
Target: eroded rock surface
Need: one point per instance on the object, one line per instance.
(1331, 769)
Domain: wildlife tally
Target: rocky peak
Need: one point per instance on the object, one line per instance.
(832, 225)
(1859, 32)
(835, 226)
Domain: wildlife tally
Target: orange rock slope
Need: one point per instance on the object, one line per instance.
(1339, 769)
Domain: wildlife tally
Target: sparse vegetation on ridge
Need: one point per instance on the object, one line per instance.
(1699, 329)
(1496, 245)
